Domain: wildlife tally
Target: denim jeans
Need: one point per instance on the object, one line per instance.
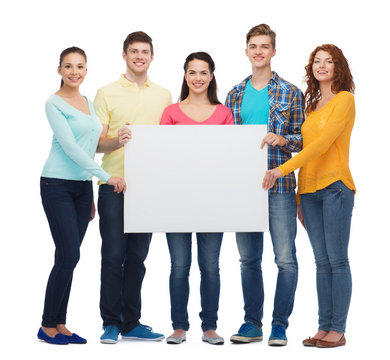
(209, 246)
(327, 214)
(67, 204)
(283, 228)
(122, 268)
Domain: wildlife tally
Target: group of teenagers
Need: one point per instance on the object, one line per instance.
(317, 126)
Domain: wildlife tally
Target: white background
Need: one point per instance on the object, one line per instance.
(33, 33)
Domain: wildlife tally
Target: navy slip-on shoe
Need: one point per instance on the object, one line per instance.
(75, 339)
(59, 339)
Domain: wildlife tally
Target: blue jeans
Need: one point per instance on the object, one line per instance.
(67, 204)
(209, 246)
(283, 228)
(122, 268)
(327, 214)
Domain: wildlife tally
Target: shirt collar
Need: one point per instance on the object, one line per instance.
(241, 86)
(127, 83)
(274, 80)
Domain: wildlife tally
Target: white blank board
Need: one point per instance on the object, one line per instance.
(195, 178)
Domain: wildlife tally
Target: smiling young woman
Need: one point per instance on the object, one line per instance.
(326, 187)
(199, 105)
(66, 188)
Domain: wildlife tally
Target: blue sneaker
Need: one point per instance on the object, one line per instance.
(143, 332)
(110, 335)
(247, 333)
(278, 336)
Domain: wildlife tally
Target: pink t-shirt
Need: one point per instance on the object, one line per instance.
(173, 115)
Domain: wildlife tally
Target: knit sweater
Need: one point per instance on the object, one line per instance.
(325, 154)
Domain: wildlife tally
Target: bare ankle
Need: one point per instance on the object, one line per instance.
(211, 333)
(178, 333)
(52, 332)
(320, 334)
(61, 328)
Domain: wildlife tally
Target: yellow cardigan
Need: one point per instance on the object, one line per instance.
(325, 154)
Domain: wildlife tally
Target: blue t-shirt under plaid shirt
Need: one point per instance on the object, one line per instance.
(286, 115)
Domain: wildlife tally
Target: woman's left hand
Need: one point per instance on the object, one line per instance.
(300, 215)
(270, 178)
(93, 211)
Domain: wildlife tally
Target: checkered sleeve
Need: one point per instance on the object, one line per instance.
(233, 105)
(297, 117)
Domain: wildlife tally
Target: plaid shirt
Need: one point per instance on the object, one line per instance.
(286, 115)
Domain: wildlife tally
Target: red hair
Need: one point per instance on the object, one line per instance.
(343, 80)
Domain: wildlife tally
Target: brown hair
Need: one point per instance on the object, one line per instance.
(71, 50)
(262, 29)
(342, 81)
(212, 89)
(137, 36)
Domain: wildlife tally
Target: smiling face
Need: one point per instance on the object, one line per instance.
(260, 51)
(73, 69)
(323, 66)
(198, 76)
(138, 57)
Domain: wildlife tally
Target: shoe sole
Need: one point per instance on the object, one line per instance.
(175, 341)
(108, 341)
(245, 339)
(326, 347)
(220, 342)
(142, 339)
(277, 342)
(309, 344)
(51, 343)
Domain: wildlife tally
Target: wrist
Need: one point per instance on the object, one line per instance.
(282, 141)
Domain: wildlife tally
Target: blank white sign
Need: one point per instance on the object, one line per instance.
(194, 178)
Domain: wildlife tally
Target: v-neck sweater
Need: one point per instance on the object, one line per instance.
(75, 139)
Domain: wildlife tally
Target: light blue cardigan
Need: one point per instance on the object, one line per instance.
(75, 139)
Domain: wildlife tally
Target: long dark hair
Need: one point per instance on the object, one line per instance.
(70, 50)
(212, 89)
(343, 80)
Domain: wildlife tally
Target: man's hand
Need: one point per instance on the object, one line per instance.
(108, 144)
(273, 140)
(124, 135)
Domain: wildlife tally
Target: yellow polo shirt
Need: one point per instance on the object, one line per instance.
(124, 102)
